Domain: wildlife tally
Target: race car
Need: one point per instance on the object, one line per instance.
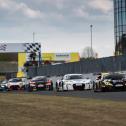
(109, 82)
(3, 85)
(73, 82)
(40, 83)
(15, 84)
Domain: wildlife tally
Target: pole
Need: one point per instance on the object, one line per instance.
(39, 59)
(33, 37)
(91, 26)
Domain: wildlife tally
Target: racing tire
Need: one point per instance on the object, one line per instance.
(57, 87)
(74, 87)
(83, 86)
(51, 87)
(124, 88)
(97, 88)
(30, 89)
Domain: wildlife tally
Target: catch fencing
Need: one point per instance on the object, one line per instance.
(108, 64)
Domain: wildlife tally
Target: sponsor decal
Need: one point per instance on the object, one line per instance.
(3, 47)
(62, 56)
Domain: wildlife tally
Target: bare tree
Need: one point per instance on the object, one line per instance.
(88, 53)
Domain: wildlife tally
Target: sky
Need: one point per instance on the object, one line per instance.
(60, 25)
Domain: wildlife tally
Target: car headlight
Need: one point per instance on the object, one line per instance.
(108, 80)
(68, 82)
(107, 83)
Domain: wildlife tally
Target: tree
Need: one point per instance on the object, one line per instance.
(88, 53)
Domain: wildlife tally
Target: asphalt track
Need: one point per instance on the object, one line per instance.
(114, 96)
(90, 94)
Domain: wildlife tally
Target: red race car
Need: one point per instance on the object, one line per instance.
(41, 83)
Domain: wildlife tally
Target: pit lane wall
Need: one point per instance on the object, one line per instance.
(109, 64)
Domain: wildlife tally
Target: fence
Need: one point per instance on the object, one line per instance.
(109, 64)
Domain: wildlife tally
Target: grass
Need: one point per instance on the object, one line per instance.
(38, 110)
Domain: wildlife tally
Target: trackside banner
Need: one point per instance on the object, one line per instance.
(19, 47)
(11, 47)
(62, 56)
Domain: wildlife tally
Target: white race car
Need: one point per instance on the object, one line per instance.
(15, 84)
(73, 82)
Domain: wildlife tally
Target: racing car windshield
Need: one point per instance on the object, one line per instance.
(39, 79)
(76, 77)
(3, 82)
(15, 80)
(114, 77)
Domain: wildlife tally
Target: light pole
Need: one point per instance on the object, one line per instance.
(91, 26)
(33, 37)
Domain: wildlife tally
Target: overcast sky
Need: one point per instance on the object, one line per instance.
(60, 25)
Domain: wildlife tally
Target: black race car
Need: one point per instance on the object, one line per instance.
(110, 82)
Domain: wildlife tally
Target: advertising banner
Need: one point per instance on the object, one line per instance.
(20, 47)
(62, 57)
(11, 47)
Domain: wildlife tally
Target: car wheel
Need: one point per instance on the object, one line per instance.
(124, 87)
(74, 86)
(51, 87)
(95, 87)
(30, 89)
(57, 87)
(62, 83)
(83, 86)
(102, 89)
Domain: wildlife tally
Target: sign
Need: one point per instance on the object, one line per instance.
(20, 47)
(67, 57)
(11, 47)
(37, 57)
(62, 57)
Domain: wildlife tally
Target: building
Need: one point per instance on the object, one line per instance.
(120, 26)
(10, 60)
(15, 61)
(47, 58)
(8, 65)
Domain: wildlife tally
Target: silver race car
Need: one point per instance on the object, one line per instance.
(73, 82)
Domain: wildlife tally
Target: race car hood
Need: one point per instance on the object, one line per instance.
(15, 83)
(87, 81)
(76, 81)
(113, 82)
